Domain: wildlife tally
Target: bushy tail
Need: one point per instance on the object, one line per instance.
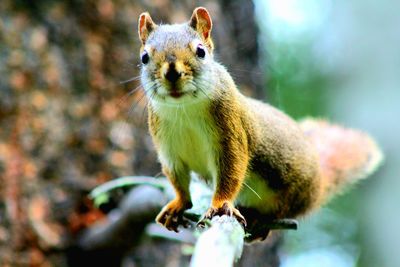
(345, 155)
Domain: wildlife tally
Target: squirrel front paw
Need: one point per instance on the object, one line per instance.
(171, 216)
(226, 208)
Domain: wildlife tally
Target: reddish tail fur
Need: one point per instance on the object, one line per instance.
(346, 155)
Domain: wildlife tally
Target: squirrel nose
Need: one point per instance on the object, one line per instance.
(172, 75)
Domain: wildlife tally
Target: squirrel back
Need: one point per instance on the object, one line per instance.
(345, 155)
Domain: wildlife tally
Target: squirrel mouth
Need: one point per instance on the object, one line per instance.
(175, 93)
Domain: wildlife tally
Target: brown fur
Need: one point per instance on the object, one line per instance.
(345, 155)
(233, 154)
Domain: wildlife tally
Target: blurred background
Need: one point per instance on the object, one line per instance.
(68, 121)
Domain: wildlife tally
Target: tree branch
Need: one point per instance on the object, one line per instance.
(220, 245)
(105, 243)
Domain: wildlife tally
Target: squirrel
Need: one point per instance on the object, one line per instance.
(200, 122)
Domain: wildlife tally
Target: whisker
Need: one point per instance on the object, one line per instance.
(251, 189)
(130, 80)
(136, 103)
(246, 71)
(201, 89)
(123, 98)
(158, 175)
(129, 118)
(147, 103)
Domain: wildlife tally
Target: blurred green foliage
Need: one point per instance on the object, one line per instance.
(339, 61)
(295, 83)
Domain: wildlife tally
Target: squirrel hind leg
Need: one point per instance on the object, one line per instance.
(260, 225)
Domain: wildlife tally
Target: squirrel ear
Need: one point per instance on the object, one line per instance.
(146, 26)
(202, 23)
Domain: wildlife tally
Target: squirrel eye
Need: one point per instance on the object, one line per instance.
(200, 51)
(145, 58)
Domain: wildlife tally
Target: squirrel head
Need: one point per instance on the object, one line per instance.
(176, 58)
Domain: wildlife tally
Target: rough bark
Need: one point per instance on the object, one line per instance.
(68, 123)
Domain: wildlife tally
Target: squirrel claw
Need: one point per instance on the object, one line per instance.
(201, 224)
(171, 218)
(225, 209)
(171, 221)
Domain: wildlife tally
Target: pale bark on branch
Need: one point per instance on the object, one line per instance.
(220, 245)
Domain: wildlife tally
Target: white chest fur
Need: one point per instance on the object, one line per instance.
(187, 137)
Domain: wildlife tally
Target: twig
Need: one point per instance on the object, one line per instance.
(138, 209)
(279, 224)
(106, 243)
(125, 182)
(282, 224)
